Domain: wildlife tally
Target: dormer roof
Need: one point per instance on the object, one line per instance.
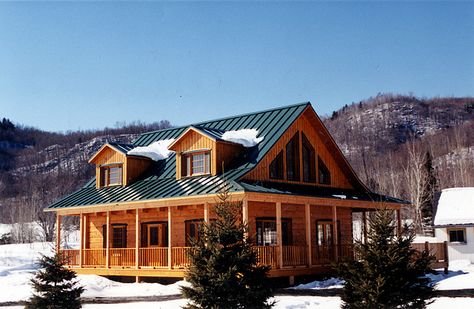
(119, 147)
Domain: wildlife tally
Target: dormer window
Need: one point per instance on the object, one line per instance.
(111, 175)
(196, 163)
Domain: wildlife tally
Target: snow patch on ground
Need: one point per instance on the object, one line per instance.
(331, 283)
(156, 151)
(245, 137)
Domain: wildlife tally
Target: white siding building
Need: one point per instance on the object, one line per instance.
(454, 222)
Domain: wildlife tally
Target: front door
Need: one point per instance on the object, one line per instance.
(157, 235)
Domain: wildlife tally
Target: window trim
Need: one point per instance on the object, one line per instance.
(145, 233)
(321, 163)
(311, 161)
(277, 163)
(187, 163)
(294, 144)
(331, 222)
(104, 235)
(104, 174)
(457, 229)
(286, 241)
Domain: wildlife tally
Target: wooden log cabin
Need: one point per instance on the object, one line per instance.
(298, 195)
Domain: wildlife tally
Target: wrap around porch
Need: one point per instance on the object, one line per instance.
(294, 239)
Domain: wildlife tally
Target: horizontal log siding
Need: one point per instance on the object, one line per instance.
(302, 124)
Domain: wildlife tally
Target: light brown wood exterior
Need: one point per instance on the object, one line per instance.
(305, 124)
(303, 254)
(132, 166)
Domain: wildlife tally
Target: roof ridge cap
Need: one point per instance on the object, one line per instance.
(226, 118)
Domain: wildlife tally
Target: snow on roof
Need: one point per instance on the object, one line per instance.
(455, 207)
(156, 151)
(245, 137)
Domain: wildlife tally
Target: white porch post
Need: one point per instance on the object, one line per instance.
(137, 238)
(169, 238)
(206, 212)
(107, 242)
(81, 238)
(245, 215)
(58, 232)
(336, 233)
(279, 234)
(364, 225)
(307, 216)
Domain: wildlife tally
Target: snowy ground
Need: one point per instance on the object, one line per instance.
(17, 265)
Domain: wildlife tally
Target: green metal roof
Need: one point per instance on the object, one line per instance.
(160, 182)
(123, 148)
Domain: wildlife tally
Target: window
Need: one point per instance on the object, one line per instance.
(324, 175)
(309, 160)
(196, 164)
(457, 235)
(119, 236)
(154, 234)
(276, 167)
(267, 235)
(192, 230)
(111, 175)
(292, 158)
(325, 233)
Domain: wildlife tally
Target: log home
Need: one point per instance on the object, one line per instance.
(298, 195)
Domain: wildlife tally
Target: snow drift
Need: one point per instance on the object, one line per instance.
(245, 137)
(156, 151)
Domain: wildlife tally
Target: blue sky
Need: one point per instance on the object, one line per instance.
(81, 65)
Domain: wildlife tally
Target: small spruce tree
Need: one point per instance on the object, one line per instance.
(55, 286)
(387, 271)
(224, 271)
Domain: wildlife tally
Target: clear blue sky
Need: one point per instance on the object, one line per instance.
(67, 66)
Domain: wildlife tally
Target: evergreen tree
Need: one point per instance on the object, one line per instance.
(55, 286)
(387, 272)
(430, 186)
(224, 271)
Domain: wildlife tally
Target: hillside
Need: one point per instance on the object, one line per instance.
(383, 136)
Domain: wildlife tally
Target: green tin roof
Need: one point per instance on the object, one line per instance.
(161, 180)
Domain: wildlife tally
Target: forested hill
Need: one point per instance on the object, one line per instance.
(38, 167)
(384, 137)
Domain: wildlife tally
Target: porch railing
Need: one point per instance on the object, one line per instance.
(295, 256)
(71, 256)
(123, 257)
(153, 257)
(94, 257)
(292, 256)
(267, 255)
(180, 257)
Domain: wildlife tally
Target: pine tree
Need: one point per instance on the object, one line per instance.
(55, 286)
(224, 271)
(387, 272)
(430, 186)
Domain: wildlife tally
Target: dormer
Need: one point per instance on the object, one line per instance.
(202, 151)
(115, 168)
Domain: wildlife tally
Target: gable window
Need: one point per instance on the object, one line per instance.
(276, 167)
(457, 235)
(267, 234)
(194, 164)
(309, 160)
(323, 173)
(111, 175)
(292, 158)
